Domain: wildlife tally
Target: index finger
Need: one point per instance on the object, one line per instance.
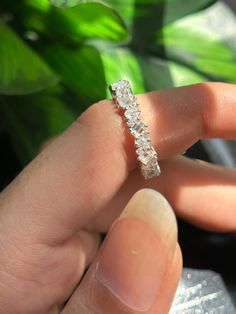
(75, 176)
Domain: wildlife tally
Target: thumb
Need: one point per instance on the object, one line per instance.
(139, 264)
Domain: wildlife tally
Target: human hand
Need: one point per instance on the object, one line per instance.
(51, 215)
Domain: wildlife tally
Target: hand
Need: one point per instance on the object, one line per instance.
(51, 215)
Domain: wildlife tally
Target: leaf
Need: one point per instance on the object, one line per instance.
(145, 72)
(148, 16)
(161, 12)
(32, 119)
(81, 68)
(89, 71)
(144, 17)
(68, 3)
(22, 71)
(202, 45)
(91, 20)
(173, 7)
(89, 47)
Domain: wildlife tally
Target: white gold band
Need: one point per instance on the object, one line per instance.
(122, 94)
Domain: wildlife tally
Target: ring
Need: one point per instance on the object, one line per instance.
(124, 99)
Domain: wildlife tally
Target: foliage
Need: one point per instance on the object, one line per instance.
(58, 57)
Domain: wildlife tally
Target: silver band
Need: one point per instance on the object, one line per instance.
(122, 94)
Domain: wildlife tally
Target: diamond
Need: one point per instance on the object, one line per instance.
(120, 85)
(124, 98)
(133, 122)
(137, 129)
(143, 139)
(151, 170)
(146, 154)
(123, 94)
(132, 114)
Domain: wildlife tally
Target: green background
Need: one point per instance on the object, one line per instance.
(58, 58)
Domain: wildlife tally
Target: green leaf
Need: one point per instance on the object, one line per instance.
(89, 71)
(32, 119)
(144, 17)
(78, 43)
(81, 69)
(68, 3)
(172, 7)
(160, 12)
(91, 20)
(21, 70)
(148, 16)
(202, 45)
(145, 72)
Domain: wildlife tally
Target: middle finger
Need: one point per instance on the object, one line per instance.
(201, 193)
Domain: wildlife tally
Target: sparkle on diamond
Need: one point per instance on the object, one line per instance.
(143, 139)
(132, 114)
(151, 170)
(147, 155)
(137, 129)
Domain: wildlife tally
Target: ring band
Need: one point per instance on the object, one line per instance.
(124, 99)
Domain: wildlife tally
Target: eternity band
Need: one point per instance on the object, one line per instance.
(124, 99)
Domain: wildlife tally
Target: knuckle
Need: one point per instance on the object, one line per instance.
(96, 113)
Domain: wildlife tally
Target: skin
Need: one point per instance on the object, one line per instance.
(52, 213)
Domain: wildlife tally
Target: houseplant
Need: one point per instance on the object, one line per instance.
(56, 58)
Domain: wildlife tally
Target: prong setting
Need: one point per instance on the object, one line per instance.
(147, 156)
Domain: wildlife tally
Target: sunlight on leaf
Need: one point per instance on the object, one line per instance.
(202, 48)
(69, 3)
(91, 20)
(145, 72)
(144, 17)
(87, 64)
(153, 43)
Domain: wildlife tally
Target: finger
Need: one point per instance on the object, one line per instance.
(75, 176)
(46, 275)
(201, 193)
(169, 284)
(131, 269)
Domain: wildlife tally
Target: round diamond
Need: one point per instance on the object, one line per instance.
(143, 139)
(119, 85)
(126, 100)
(132, 114)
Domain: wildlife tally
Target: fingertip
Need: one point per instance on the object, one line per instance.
(139, 247)
(153, 208)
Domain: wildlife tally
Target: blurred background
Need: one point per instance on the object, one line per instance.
(58, 57)
(231, 3)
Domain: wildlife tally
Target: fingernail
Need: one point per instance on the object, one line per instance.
(138, 250)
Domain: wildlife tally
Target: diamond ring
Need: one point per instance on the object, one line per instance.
(124, 99)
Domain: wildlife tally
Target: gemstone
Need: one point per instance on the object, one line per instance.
(123, 94)
(120, 85)
(146, 154)
(133, 122)
(151, 170)
(132, 114)
(124, 98)
(137, 129)
(143, 139)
